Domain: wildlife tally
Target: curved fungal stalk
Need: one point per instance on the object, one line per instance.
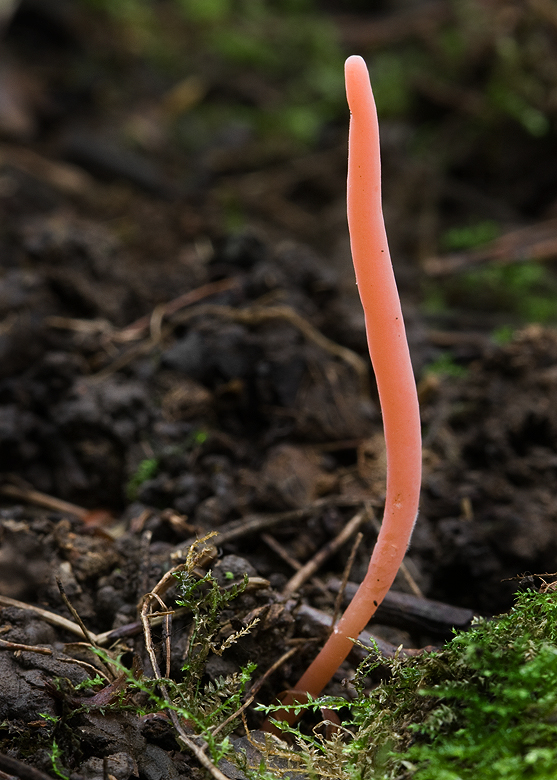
(390, 357)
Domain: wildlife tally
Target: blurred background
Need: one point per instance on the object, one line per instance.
(235, 110)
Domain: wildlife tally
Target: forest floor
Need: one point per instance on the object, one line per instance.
(164, 377)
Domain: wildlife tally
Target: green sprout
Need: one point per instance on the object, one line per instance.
(445, 365)
(146, 469)
(55, 757)
(196, 438)
(503, 335)
(470, 236)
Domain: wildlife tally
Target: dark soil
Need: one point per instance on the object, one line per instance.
(229, 407)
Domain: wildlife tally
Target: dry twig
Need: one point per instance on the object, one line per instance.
(538, 241)
(16, 768)
(5, 645)
(140, 326)
(47, 616)
(345, 576)
(256, 687)
(309, 569)
(90, 638)
(253, 524)
(257, 314)
(37, 498)
(198, 752)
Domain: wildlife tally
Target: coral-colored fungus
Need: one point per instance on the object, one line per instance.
(390, 357)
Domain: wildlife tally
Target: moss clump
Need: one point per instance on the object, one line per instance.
(147, 469)
(485, 706)
(494, 710)
(521, 291)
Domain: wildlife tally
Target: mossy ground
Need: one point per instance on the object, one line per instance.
(482, 707)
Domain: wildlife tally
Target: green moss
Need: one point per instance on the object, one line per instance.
(470, 236)
(503, 335)
(286, 50)
(445, 366)
(494, 714)
(526, 291)
(485, 706)
(210, 708)
(145, 470)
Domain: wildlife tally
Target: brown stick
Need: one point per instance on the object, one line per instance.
(5, 645)
(345, 576)
(253, 524)
(18, 769)
(309, 569)
(42, 499)
(256, 686)
(193, 296)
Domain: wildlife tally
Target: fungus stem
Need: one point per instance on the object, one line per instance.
(390, 357)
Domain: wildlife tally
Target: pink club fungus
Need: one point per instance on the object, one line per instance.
(390, 357)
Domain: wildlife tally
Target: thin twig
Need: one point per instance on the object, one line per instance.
(283, 553)
(153, 322)
(132, 629)
(345, 576)
(141, 325)
(6, 645)
(17, 768)
(199, 752)
(101, 640)
(94, 670)
(259, 314)
(89, 637)
(256, 686)
(123, 360)
(98, 326)
(166, 636)
(37, 498)
(309, 569)
(249, 315)
(86, 633)
(147, 629)
(254, 524)
(412, 584)
(49, 617)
